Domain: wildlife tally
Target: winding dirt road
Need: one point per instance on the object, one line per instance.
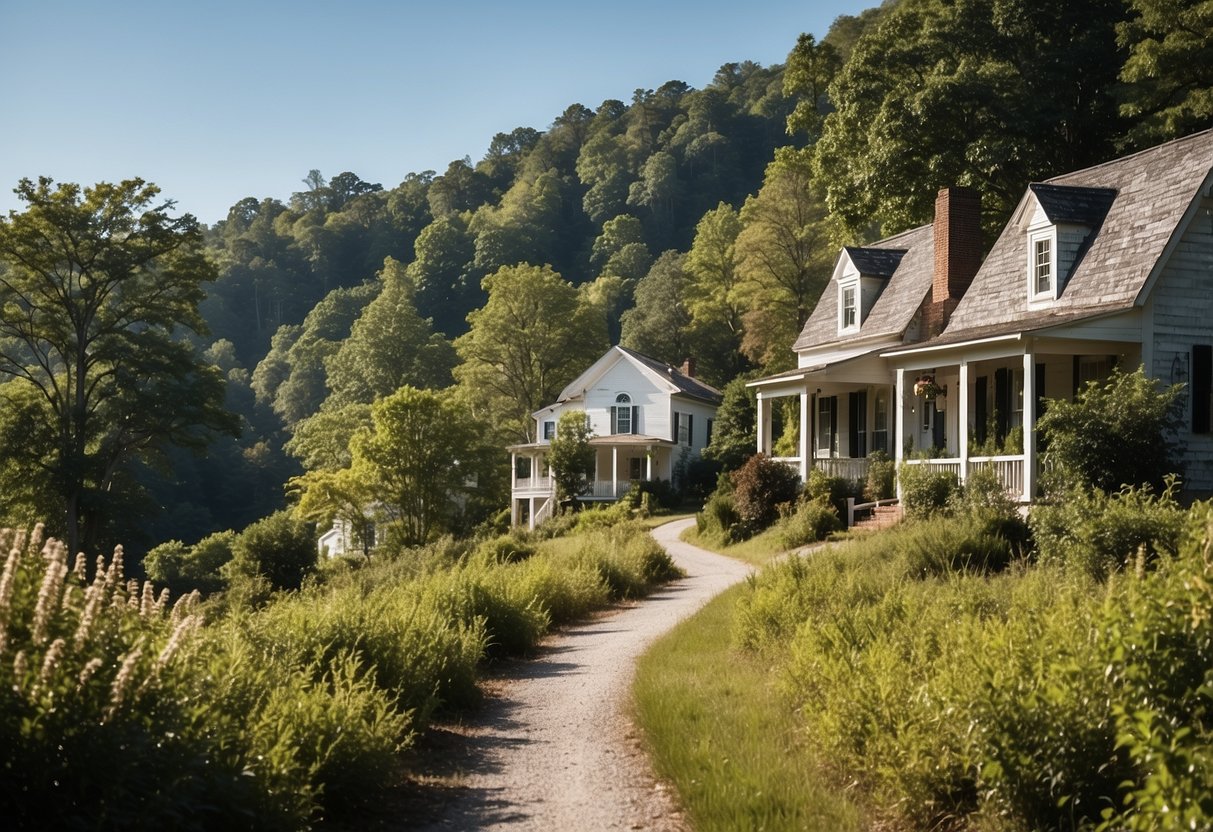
(554, 748)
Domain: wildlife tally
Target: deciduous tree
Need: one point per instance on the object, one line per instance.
(95, 284)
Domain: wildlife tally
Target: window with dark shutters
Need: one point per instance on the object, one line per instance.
(1202, 388)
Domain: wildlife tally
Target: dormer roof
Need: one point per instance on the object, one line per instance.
(1071, 205)
(907, 260)
(875, 262)
(1155, 192)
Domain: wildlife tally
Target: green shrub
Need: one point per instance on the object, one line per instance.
(760, 486)
(942, 545)
(811, 521)
(880, 483)
(719, 518)
(627, 559)
(924, 490)
(833, 490)
(506, 548)
(1100, 533)
(278, 548)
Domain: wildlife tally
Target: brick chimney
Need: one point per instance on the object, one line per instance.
(957, 253)
(688, 367)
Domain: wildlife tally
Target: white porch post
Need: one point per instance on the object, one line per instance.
(760, 425)
(964, 419)
(804, 436)
(1029, 426)
(530, 517)
(899, 401)
(595, 469)
(648, 463)
(615, 471)
(513, 469)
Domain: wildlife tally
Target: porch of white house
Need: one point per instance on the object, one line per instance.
(618, 462)
(978, 409)
(839, 423)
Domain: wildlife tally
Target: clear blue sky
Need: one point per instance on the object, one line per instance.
(216, 101)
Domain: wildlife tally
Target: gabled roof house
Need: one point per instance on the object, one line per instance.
(647, 417)
(1104, 267)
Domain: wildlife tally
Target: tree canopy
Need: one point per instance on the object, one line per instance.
(95, 284)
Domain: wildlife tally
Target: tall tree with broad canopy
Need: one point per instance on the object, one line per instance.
(532, 337)
(95, 285)
(987, 94)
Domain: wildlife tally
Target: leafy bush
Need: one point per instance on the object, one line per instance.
(185, 568)
(966, 543)
(627, 559)
(760, 486)
(880, 483)
(811, 521)
(833, 490)
(506, 548)
(1100, 533)
(1114, 433)
(719, 518)
(278, 548)
(924, 490)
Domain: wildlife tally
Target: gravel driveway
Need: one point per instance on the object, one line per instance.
(554, 747)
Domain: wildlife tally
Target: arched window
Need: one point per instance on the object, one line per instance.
(622, 413)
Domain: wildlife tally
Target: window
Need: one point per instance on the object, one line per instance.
(549, 430)
(850, 312)
(522, 468)
(684, 433)
(880, 421)
(707, 440)
(1043, 266)
(621, 415)
(827, 426)
(635, 468)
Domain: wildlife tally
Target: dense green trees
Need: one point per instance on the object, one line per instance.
(94, 285)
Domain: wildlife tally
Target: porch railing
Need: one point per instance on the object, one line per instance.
(1008, 469)
(850, 468)
(536, 485)
(605, 490)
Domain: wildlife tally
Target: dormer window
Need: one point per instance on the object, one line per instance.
(849, 311)
(1042, 264)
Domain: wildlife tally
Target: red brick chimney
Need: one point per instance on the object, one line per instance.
(688, 367)
(957, 253)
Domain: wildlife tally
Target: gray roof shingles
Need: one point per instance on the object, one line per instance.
(1153, 189)
(909, 284)
(686, 384)
(1068, 204)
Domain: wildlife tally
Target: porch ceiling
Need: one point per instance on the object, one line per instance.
(620, 439)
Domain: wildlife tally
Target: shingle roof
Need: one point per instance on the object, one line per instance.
(1154, 189)
(1068, 204)
(685, 384)
(875, 262)
(908, 285)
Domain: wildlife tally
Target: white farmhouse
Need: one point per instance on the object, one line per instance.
(918, 345)
(646, 416)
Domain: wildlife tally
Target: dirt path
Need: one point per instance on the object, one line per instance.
(554, 748)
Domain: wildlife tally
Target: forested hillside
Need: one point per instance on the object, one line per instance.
(684, 223)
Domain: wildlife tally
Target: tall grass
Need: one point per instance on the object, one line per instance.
(122, 712)
(955, 685)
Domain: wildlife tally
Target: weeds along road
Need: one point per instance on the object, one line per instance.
(555, 748)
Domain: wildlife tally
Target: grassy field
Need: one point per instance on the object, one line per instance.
(758, 550)
(719, 729)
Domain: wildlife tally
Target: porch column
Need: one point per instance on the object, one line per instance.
(804, 436)
(595, 486)
(513, 511)
(964, 419)
(615, 471)
(1029, 426)
(899, 403)
(648, 463)
(530, 517)
(760, 425)
(513, 470)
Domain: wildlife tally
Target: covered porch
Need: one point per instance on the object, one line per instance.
(843, 413)
(972, 406)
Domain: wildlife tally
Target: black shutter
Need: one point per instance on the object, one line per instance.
(833, 424)
(853, 424)
(1202, 386)
(690, 430)
(981, 409)
(635, 418)
(675, 436)
(939, 436)
(1077, 366)
(614, 420)
(1038, 384)
(1002, 403)
(708, 439)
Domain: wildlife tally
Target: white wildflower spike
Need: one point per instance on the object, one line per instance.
(147, 600)
(51, 661)
(6, 593)
(88, 671)
(80, 568)
(36, 538)
(122, 682)
(20, 668)
(181, 632)
(162, 601)
(51, 592)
